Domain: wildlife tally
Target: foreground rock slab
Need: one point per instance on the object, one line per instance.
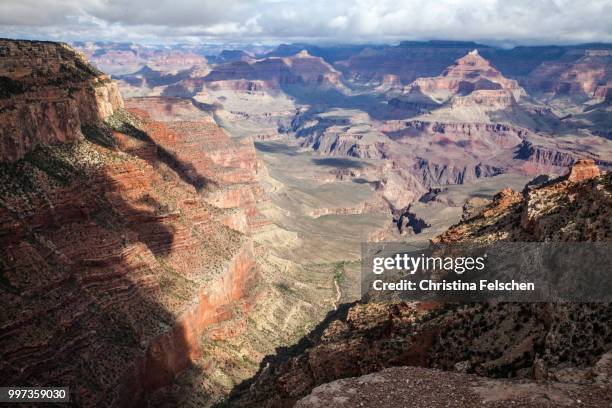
(421, 387)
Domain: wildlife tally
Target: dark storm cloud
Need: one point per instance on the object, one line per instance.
(517, 21)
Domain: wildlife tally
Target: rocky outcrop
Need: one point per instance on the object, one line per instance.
(473, 206)
(471, 74)
(543, 155)
(493, 100)
(408, 222)
(344, 134)
(503, 135)
(370, 337)
(367, 207)
(584, 169)
(441, 173)
(416, 386)
(48, 91)
(560, 210)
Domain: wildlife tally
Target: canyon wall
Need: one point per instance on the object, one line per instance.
(587, 75)
(48, 92)
(301, 69)
(113, 260)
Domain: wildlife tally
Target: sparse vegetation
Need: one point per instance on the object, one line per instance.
(339, 271)
(283, 287)
(101, 135)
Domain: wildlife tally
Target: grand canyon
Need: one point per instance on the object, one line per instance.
(181, 225)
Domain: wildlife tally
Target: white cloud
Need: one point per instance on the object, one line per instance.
(507, 21)
(338, 23)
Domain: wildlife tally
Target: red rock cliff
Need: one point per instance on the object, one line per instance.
(47, 92)
(112, 259)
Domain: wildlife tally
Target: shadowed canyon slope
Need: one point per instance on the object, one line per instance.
(113, 261)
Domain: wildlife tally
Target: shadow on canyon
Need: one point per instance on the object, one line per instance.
(276, 148)
(79, 293)
(339, 162)
(284, 354)
(330, 98)
(186, 171)
(377, 106)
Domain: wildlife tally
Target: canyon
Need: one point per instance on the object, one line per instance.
(495, 353)
(188, 230)
(139, 230)
(113, 262)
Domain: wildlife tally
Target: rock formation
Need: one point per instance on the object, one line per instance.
(416, 386)
(48, 91)
(584, 169)
(587, 75)
(124, 58)
(300, 69)
(581, 70)
(470, 74)
(409, 60)
(560, 210)
(124, 234)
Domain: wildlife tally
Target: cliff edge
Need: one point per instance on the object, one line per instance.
(47, 92)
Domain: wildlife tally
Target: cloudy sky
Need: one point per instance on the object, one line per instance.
(271, 21)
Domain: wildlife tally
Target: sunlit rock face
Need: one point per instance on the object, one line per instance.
(48, 92)
(584, 169)
(472, 74)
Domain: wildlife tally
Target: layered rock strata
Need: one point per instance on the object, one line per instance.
(114, 258)
(587, 75)
(47, 92)
(469, 74)
(299, 69)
